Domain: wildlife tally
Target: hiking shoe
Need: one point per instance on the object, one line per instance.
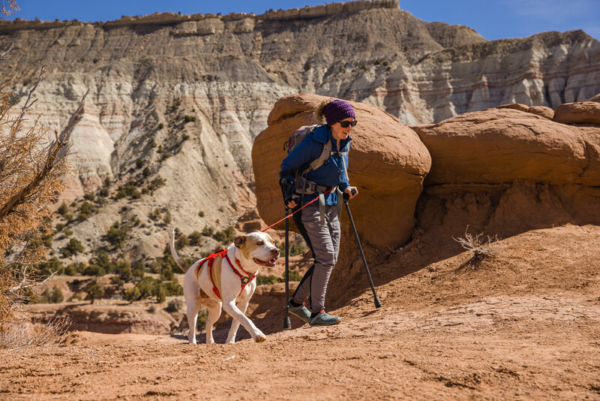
(299, 311)
(324, 319)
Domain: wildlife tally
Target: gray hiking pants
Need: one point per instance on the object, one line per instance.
(325, 240)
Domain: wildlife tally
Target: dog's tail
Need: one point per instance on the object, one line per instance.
(181, 265)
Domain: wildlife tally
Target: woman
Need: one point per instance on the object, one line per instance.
(319, 222)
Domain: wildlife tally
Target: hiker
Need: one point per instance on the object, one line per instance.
(319, 222)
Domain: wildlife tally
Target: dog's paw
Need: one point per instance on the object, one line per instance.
(261, 338)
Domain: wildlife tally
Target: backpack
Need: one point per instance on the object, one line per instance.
(304, 186)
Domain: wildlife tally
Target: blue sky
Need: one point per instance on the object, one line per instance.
(493, 19)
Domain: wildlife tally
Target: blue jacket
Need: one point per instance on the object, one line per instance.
(331, 173)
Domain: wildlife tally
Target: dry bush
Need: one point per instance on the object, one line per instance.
(20, 333)
(479, 246)
(31, 167)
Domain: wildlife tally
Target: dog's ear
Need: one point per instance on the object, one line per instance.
(239, 241)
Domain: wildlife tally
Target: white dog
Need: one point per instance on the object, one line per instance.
(225, 281)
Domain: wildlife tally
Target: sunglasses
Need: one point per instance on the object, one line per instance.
(346, 124)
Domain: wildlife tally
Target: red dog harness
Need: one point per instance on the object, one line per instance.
(245, 280)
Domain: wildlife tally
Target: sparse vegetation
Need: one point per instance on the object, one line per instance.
(478, 246)
(63, 209)
(189, 119)
(195, 238)
(73, 247)
(93, 291)
(117, 234)
(226, 236)
(175, 305)
(85, 210)
(182, 242)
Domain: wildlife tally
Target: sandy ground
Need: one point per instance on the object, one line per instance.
(523, 325)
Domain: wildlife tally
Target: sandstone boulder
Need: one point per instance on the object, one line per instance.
(514, 106)
(578, 113)
(595, 98)
(503, 145)
(542, 111)
(388, 164)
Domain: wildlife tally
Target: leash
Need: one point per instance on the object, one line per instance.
(290, 215)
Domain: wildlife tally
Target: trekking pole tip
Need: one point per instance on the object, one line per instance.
(377, 303)
(287, 324)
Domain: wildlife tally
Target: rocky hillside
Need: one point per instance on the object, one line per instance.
(178, 100)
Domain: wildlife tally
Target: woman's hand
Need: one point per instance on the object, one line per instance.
(351, 191)
(291, 202)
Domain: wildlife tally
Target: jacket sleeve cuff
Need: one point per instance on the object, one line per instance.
(343, 186)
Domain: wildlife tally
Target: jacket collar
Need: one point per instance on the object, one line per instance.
(322, 134)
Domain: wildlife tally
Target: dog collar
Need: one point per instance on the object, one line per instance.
(244, 279)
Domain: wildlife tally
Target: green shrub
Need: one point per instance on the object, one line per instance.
(195, 238)
(93, 291)
(94, 270)
(47, 240)
(182, 242)
(102, 259)
(208, 231)
(167, 274)
(225, 236)
(74, 246)
(307, 66)
(107, 181)
(59, 227)
(89, 196)
(74, 298)
(68, 233)
(185, 137)
(164, 156)
(63, 209)
(123, 269)
(175, 305)
(68, 216)
(71, 270)
(167, 217)
(117, 234)
(161, 126)
(294, 275)
(298, 249)
(189, 119)
(132, 294)
(267, 280)
(139, 163)
(146, 171)
(138, 270)
(201, 213)
(85, 210)
(54, 265)
(173, 288)
(156, 183)
(159, 292)
(104, 192)
(176, 103)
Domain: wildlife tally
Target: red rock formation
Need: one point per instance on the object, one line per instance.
(578, 113)
(388, 163)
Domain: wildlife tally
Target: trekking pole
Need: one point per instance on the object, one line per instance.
(346, 197)
(286, 322)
